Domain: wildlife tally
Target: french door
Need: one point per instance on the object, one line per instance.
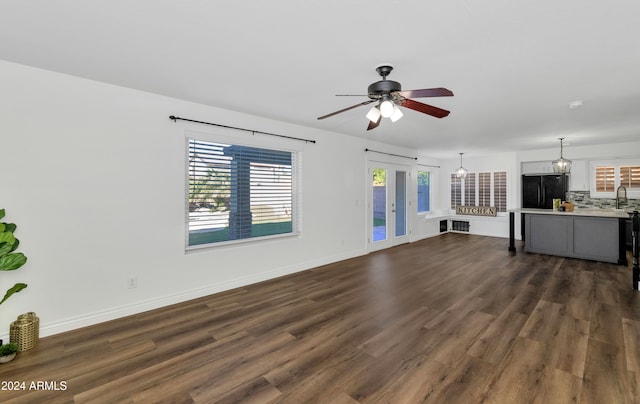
(387, 205)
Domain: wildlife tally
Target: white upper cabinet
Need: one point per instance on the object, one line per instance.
(537, 167)
(579, 177)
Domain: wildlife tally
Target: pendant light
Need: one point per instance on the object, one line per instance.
(461, 172)
(561, 165)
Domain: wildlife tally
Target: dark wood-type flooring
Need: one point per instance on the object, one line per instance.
(450, 319)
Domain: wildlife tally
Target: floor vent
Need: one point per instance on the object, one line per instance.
(443, 225)
(459, 225)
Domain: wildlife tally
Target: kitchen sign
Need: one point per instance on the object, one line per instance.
(476, 210)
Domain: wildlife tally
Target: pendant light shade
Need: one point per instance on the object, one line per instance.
(386, 108)
(561, 165)
(461, 172)
(397, 114)
(374, 114)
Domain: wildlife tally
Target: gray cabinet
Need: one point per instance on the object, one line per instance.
(593, 238)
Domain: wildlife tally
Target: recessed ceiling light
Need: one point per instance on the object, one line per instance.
(576, 104)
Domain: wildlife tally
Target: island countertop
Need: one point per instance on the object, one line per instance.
(613, 213)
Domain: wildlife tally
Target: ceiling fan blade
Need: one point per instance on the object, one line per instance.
(425, 108)
(373, 125)
(346, 109)
(426, 92)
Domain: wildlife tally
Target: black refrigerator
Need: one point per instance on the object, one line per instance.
(539, 191)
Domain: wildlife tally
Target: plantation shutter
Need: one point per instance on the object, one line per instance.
(484, 189)
(456, 195)
(500, 190)
(486, 192)
(470, 189)
(630, 176)
(605, 179)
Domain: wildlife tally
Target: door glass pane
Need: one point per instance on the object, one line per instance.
(379, 204)
(401, 203)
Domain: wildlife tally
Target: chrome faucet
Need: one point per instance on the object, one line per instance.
(621, 196)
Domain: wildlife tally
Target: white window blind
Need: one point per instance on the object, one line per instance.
(238, 192)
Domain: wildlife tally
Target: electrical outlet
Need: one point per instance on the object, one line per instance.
(132, 282)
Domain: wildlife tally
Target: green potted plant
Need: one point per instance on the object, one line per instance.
(8, 352)
(9, 261)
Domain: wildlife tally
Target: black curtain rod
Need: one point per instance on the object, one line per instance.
(391, 154)
(427, 165)
(177, 118)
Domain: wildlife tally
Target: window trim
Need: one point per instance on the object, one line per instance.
(616, 164)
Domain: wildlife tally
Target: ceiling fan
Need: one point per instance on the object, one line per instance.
(389, 95)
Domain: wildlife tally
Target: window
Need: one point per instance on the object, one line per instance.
(608, 175)
(470, 189)
(456, 196)
(500, 191)
(478, 190)
(424, 192)
(239, 192)
(484, 189)
(630, 176)
(605, 179)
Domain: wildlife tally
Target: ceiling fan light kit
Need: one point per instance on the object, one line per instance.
(397, 114)
(374, 114)
(386, 108)
(388, 96)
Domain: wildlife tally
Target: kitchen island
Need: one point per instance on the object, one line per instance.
(593, 234)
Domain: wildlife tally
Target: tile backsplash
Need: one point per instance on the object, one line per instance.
(584, 200)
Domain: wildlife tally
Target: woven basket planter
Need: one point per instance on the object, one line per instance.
(25, 331)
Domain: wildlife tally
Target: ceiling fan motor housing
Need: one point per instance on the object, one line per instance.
(377, 89)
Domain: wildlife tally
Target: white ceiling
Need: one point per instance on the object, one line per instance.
(513, 66)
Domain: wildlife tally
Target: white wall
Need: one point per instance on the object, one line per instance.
(94, 177)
